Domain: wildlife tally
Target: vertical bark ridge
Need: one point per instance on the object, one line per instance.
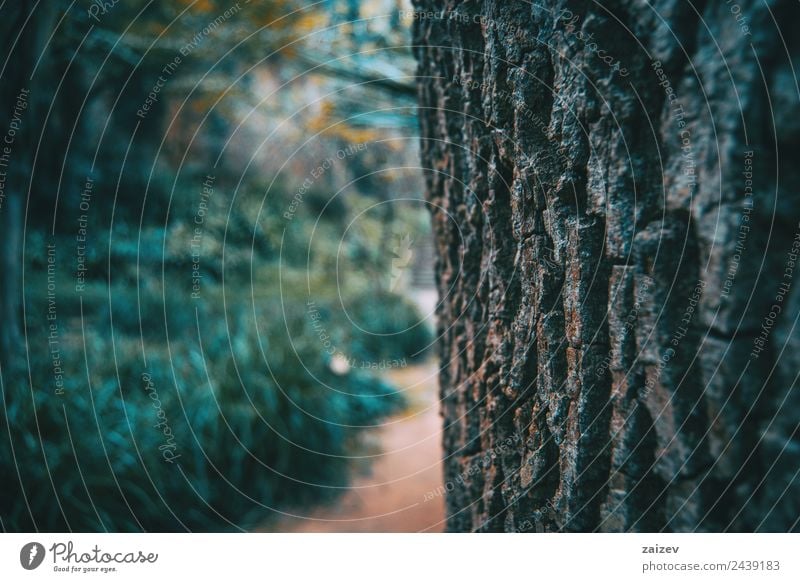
(596, 352)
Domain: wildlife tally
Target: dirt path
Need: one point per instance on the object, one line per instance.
(392, 498)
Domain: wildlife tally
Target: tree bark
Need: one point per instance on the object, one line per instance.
(616, 206)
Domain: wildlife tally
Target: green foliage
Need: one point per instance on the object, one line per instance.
(256, 422)
(262, 416)
(387, 327)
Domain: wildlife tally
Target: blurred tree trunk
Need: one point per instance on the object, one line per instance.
(24, 32)
(606, 268)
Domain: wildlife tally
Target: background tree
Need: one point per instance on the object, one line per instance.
(24, 96)
(617, 224)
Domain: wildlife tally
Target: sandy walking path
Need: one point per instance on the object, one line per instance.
(398, 494)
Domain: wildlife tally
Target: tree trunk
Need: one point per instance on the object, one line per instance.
(616, 210)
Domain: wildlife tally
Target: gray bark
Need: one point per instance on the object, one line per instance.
(606, 270)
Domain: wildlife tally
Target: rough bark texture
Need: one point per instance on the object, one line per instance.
(606, 272)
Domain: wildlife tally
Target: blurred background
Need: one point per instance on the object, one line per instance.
(218, 285)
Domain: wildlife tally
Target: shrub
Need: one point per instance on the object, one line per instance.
(196, 439)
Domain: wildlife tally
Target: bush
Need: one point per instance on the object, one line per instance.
(180, 414)
(386, 327)
(195, 439)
